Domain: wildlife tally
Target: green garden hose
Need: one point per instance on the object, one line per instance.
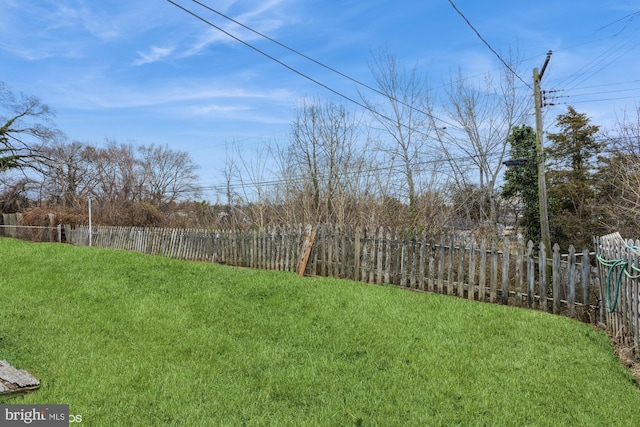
(612, 264)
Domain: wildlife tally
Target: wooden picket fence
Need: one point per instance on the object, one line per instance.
(619, 268)
(275, 249)
(494, 270)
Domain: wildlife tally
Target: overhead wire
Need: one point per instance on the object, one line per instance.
(602, 100)
(628, 18)
(586, 77)
(594, 67)
(342, 74)
(307, 57)
(552, 100)
(488, 45)
(367, 173)
(290, 68)
(358, 82)
(586, 72)
(606, 84)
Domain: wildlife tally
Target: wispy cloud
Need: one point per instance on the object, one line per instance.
(57, 30)
(265, 17)
(95, 93)
(154, 54)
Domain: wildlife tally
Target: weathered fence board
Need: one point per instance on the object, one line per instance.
(619, 268)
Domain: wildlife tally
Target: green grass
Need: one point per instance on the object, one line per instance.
(129, 339)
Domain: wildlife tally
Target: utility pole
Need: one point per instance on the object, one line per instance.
(540, 157)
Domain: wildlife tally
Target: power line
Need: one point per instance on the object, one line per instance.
(587, 69)
(595, 86)
(601, 61)
(488, 45)
(628, 18)
(550, 99)
(356, 81)
(290, 68)
(604, 92)
(366, 173)
(605, 99)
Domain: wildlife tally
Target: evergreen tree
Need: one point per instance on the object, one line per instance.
(521, 181)
(571, 177)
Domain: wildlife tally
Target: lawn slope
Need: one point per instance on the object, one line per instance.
(130, 339)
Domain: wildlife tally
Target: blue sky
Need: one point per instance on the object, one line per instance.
(146, 72)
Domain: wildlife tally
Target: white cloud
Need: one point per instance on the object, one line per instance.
(264, 17)
(153, 55)
(95, 93)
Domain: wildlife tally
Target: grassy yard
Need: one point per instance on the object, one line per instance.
(130, 339)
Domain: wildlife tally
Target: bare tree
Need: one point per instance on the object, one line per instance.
(618, 175)
(118, 173)
(166, 175)
(484, 114)
(67, 174)
(15, 195)
(232, 214)
(324, 163)
(405, 117)
(255, 184)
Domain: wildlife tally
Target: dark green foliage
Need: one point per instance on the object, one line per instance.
(23, 128)
(521, 181)
(571, 179)
(9, 158)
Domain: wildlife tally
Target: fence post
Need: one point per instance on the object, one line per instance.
(472, 270)
(460, 276)
(380, 255)
(450, 266)
(586, 276)
(571, 297)
(505, 270)
(556, 278)
(519, 272)
(483, 271)
(493, 294)
(542, 276)
(634, 300)
(364, 264)
(531, 268)
(387, 257)
(372, 255)
(356, 254)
